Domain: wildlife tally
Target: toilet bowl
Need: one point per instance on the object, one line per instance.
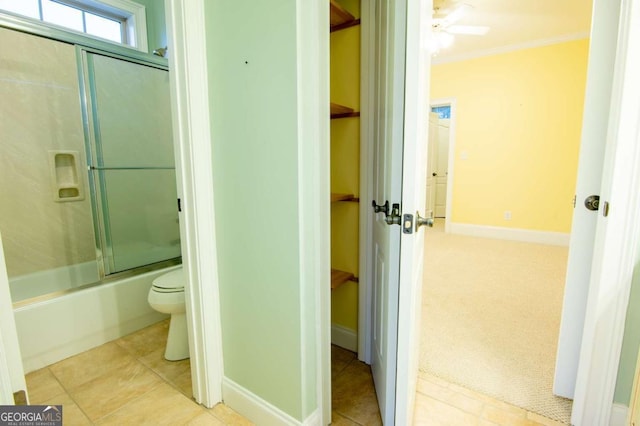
(167, 296)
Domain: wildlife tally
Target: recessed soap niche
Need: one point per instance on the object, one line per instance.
(65, 176)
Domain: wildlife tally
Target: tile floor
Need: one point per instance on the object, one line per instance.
(439, 403)
(128, 382)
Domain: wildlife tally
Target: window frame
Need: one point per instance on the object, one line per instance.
(131, 14)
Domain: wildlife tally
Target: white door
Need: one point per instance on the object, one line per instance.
(432, 149)
(401, 105)
(441, 168)
(604, 33)
(11, 370)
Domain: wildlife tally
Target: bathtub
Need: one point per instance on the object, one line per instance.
(57, 328)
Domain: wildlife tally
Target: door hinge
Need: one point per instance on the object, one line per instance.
(179, 205)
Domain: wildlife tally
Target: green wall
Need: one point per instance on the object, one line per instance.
(156, 26)
(253, 84)
(630, 344)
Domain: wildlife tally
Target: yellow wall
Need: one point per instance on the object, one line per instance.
(518, 122)
(345, 170)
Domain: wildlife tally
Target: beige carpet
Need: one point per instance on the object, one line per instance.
(491, 315)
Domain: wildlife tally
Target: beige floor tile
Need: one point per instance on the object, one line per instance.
(147, 340)
(183, 383)
(228, 416)
(205, 419)
(71, 413)
(340, 420)
(82, 368)
(434, 379)
(42, 385)
(110, 392)
(353, 395)
(168, 370)
(340, 358)
(543, 420)
(506, 417)
(163, 405)
(431, 412)
(488, 400)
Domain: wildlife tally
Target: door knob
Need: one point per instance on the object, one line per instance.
(434, 174)
(592, 202)
(428, 221)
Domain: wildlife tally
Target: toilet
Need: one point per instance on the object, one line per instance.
(167, 296)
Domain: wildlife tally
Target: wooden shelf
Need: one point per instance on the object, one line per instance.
(339, 16)
(341, 111)
(340, 277)
(342, 197)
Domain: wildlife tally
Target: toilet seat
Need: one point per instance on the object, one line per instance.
(172, 282)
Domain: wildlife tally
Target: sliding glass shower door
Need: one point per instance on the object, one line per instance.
(131, 162)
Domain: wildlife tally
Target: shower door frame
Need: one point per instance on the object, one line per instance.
(93, 147)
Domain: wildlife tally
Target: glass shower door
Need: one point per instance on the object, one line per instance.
(132, 162)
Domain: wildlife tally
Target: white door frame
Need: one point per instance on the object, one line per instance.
(192, 140)
(452, 102)
(367, 88)
(617, 236)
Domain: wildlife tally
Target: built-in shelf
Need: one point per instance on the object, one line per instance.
(343, 197)
(341, 111)
(340, 277)
(341, 18)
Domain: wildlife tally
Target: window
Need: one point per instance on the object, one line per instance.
(120, 21)
(443, 111)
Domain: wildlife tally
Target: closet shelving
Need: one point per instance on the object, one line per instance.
(341, 19)
(340, 277)
(343, 197)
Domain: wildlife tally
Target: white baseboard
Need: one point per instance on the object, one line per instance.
(619, 415)
(257, 409)
(512, 234)
(344, 337)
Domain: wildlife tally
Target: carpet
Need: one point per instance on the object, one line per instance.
(491, 316)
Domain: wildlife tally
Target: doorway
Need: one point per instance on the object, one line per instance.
(519, 281)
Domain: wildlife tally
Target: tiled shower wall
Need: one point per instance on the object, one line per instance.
(40, 112)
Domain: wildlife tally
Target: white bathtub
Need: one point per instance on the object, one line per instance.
(53, 280)
(58, 328)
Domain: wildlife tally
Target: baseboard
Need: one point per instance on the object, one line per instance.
(619, 415)
(257, 409)
(512, 234)
(344, 337)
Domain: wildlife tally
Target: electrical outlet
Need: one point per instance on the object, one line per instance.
(507, 215)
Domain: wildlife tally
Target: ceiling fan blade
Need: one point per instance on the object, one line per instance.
(467, 29)
(457, 14)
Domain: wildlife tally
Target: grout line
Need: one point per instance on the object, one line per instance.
(67, 391)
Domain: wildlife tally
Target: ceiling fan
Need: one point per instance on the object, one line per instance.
(444, 25)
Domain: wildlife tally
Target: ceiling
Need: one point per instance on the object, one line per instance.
(515, 23)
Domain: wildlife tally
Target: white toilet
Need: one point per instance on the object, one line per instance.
(167, 296)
